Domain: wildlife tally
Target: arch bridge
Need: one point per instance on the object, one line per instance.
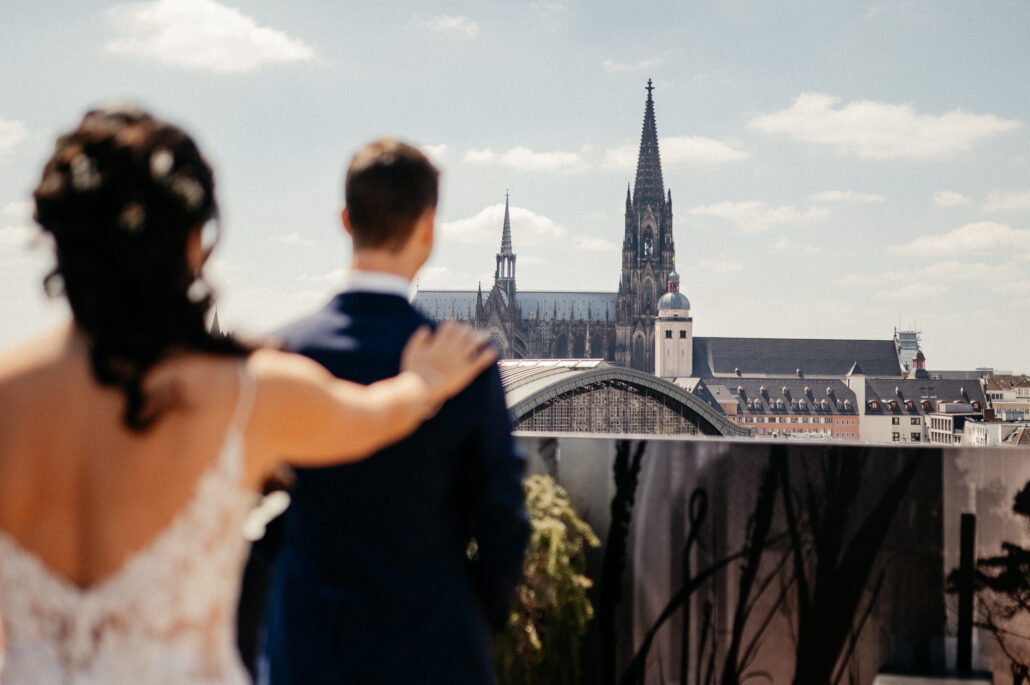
(589, 395)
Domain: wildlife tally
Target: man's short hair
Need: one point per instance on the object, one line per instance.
(389, 185)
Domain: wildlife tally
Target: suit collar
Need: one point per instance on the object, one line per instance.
(377, 283)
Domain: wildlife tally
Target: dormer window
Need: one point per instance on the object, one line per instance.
(910, 405)
(874, 405)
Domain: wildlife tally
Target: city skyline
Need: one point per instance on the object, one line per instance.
(836, 171)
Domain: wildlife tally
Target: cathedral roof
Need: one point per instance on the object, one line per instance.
(770, 357)
(551, 305)
(649, 188)
(567, 306)
(446, 304)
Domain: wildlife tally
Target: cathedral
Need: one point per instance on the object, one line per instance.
(616, 326)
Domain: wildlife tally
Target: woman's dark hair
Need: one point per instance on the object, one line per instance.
(121, 196)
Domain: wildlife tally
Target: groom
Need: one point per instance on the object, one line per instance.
(374, 583)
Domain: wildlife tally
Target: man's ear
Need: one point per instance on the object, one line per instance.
(345, 218)
(428, 219)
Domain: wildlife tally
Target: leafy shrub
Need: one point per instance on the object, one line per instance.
(552, 610)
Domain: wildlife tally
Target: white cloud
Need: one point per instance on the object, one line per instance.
(477, 156)
(688, 149)
(722, 266)
(675, 150)
(754, 216)
(527, 227)
(613, 67)
(20, 210)
(949, 198)
(848, 196)
(940, 274)
(524, 159)
(621, 158)
(436, 153)
(999, 201)
(294, 238)
(879, 130)
(11, 133)
(982, 237)
(200, 34)
(594, 245)
(459, 25)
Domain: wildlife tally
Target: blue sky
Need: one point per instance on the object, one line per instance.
(837, 169)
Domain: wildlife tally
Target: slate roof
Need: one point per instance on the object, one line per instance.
(917, 390)
(570, 305)
(781, 357)
(955, 375)
(787, 396)
(699, 389)
(456, 304)
(446, 304)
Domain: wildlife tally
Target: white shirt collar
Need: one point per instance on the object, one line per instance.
(378, 282)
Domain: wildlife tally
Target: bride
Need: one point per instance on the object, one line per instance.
(132, 440)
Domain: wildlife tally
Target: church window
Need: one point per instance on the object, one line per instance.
(683, 334)
(648, 250)
(579, 346)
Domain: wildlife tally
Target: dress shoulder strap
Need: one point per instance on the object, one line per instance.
(244, 398)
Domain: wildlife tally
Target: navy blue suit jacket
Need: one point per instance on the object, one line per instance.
(373, 583)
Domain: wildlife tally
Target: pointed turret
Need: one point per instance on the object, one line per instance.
(504, 276)
(506, 231)
(648, 188)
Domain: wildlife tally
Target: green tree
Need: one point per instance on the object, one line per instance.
(552, 610)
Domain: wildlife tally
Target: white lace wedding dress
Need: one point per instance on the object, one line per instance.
(166, 617)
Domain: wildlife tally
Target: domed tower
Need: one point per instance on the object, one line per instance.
(673, 333)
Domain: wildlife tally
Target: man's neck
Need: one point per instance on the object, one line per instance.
(374, 260)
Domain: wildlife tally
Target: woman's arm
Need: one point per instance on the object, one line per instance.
(305, 416)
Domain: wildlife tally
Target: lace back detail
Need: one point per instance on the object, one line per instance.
(167, 616)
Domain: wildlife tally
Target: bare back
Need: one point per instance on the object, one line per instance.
(78, 489)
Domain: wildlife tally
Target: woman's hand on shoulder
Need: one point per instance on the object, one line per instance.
(305, 416)
(449, 358)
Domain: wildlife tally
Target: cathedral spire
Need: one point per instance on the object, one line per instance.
(648, 188)
(504, 276)
(506, 231)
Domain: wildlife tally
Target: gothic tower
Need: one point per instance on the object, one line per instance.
(504, 275)
(648, 252)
